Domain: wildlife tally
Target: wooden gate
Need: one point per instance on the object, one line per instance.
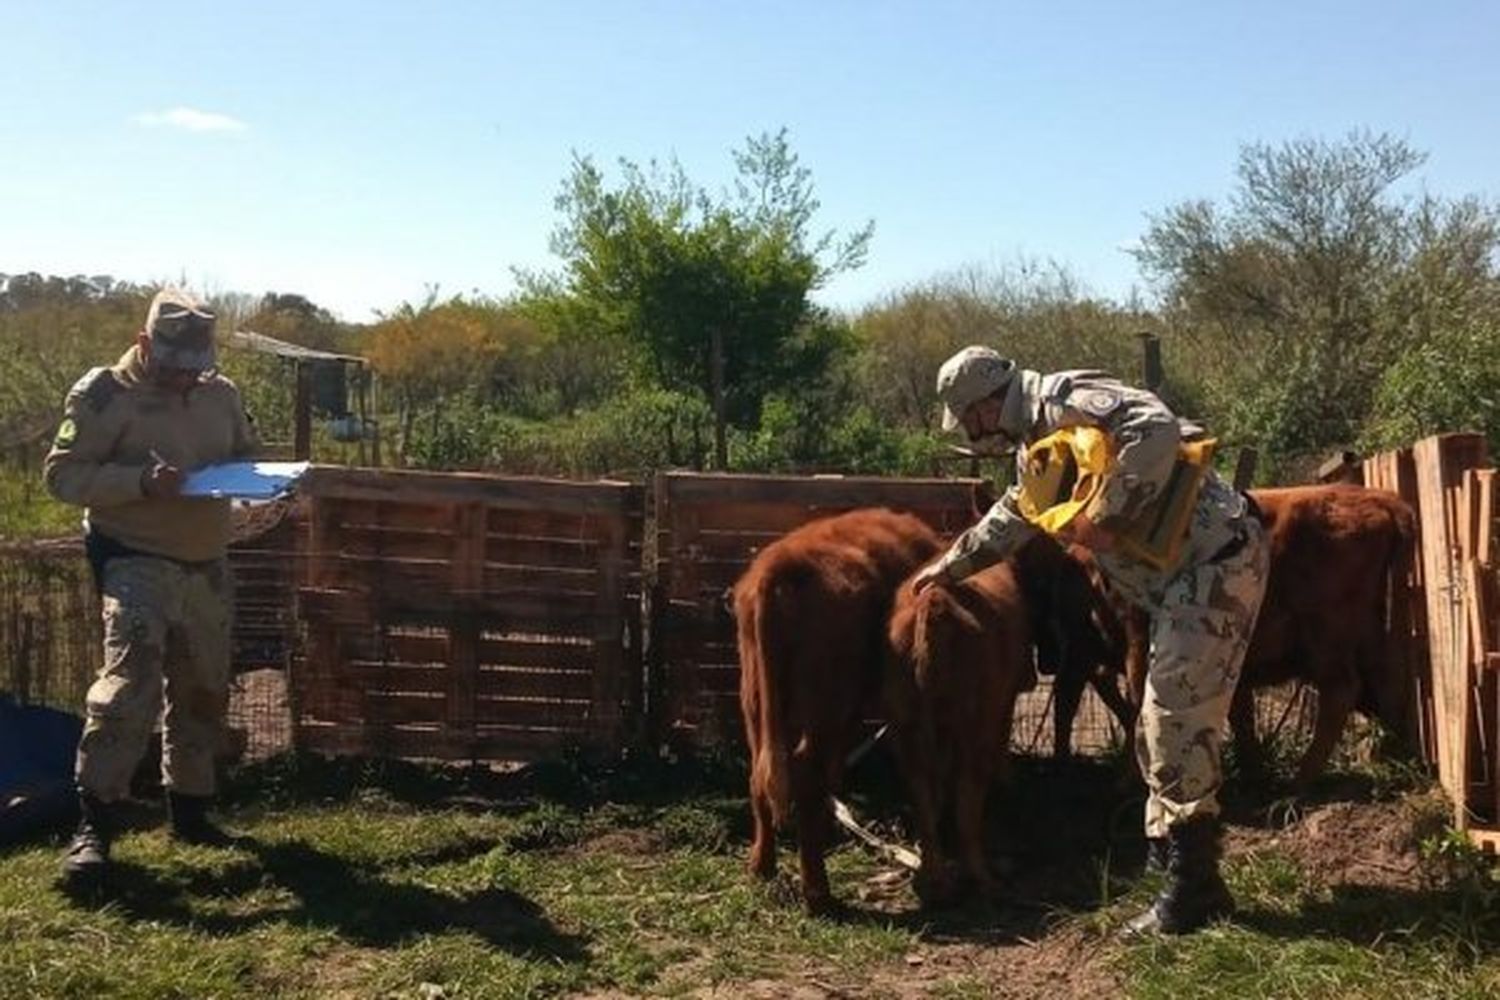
(708, 528)
(467, 616)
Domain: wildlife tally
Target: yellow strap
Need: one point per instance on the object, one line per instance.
(1063, 474)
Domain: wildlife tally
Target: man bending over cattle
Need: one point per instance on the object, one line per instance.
(1200, 578)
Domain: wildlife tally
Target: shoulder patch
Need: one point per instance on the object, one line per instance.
(97, 388)
(67, 433)
(1097, 402)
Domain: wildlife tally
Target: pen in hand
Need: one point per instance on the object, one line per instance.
(162, 479)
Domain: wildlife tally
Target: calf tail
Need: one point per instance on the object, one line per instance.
(938, 621)
(761, 658)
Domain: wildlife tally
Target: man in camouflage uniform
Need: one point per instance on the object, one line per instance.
(1202, 607)
(128, 435)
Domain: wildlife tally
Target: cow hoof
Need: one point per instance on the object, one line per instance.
(823, 906)
(763, 869)
(939, 887)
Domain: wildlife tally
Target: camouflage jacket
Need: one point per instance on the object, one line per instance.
(1146, 435)
(115, 423)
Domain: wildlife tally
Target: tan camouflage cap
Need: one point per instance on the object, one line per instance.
(181, 330)
(969, 376)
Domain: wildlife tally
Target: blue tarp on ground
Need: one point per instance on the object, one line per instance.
(37, 747)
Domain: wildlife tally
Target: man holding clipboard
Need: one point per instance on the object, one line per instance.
(130, 435)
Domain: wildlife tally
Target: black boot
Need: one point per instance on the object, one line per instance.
(86, 862)
(190, 823)
(1157, 855)
(1195, 894)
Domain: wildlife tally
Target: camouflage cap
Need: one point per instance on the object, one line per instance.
(181, 330)
(969, 376)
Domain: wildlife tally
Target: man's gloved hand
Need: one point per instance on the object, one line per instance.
(161, 479)
(932, 573)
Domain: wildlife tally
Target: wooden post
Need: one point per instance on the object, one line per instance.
(1152, 374)
(1244, 469)
(716, 362)
(470, 524)
(302, 439)
(1440, 463)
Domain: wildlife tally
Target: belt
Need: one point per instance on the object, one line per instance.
(101, 549)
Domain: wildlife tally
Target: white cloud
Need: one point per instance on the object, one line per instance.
(190, 119)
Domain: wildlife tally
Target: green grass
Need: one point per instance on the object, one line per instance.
(374, 880)
(375, 892)
(27, 510)
(1293, 937)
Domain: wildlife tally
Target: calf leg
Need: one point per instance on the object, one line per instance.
(969, 822)
(763, 846)
(932, 884)
(1335, 702)
(1247, 748)
(1067, 692)
(811, 791)
(1119, 706)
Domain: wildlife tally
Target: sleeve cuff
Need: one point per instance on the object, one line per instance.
(117, 484)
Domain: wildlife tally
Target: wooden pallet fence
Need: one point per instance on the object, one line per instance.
(467, 617)
(1396, 472)
(708, 528)
(1456, 492)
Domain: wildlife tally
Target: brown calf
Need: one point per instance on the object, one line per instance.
(1334, 615)
(811, 612)
(958, 658)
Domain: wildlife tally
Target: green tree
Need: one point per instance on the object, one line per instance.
(1290, 305)
(1035, 312)
(711, 293)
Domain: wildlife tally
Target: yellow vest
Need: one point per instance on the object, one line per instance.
(1063, 475)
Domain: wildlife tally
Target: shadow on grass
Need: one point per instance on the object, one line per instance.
(357, 902)
(637, 778)
(1369, 916)
(1062, 839)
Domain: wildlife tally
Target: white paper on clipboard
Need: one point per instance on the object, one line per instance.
(243, 480)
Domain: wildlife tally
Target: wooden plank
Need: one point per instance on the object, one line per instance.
(392, 515)
(428, 687)
(534, 712)
(825, 491)
(584, 583)
(493, 743)
(561, 685)
(395, 543)
(402, 708)
(322, 545)
(391, 578)
(544, 655)
(510, 614)
(1440, 463)
(510, 492)
(1478, 608)
(655, 718)
(1484, 545)
(1487, 839)
(373, 675)
(610, 692)
(560, 553)
(722, 544)
(469, 572)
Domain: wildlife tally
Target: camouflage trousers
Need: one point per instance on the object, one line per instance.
(1200, 631)
(166, 656)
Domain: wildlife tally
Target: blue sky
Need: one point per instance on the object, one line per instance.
(357, 152)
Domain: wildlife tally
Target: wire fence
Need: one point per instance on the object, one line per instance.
(51, 630)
